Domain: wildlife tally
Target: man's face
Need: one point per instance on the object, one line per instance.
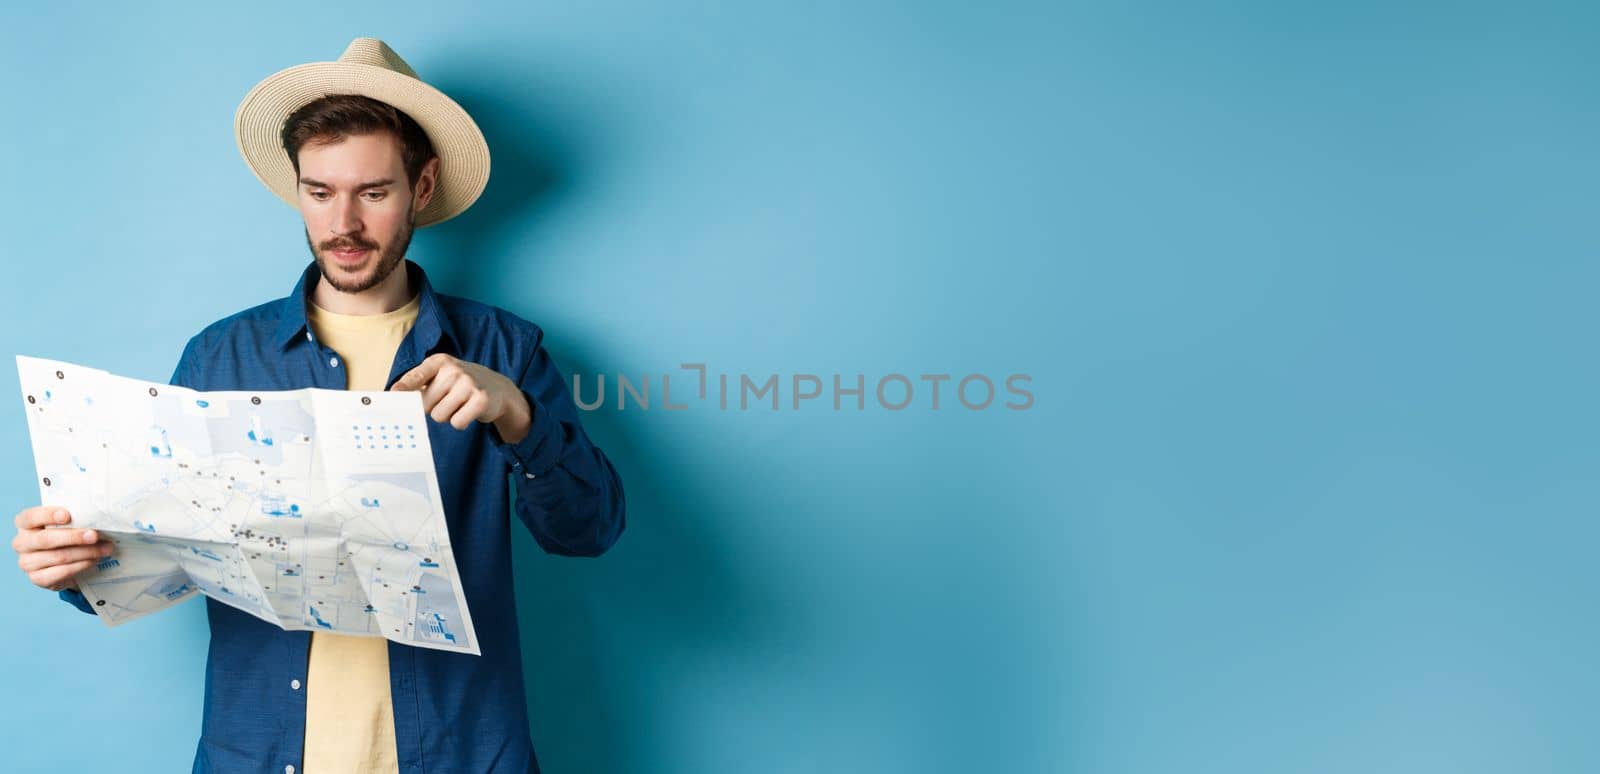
(354, 197)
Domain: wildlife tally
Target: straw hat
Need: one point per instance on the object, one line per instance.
(370, 68)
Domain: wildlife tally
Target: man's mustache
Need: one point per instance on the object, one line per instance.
(349, 246)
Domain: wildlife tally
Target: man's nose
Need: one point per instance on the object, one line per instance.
(347, 217)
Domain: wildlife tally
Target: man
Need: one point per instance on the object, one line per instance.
(367, 152)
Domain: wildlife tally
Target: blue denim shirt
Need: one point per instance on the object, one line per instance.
(452, 712)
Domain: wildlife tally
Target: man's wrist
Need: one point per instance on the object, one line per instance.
(513, 426)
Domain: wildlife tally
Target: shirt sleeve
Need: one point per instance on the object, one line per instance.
(182, 376)
(565, 488)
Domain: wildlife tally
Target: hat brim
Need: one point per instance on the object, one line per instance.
(463, 152)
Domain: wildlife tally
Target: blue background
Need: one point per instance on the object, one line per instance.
(1306, 291)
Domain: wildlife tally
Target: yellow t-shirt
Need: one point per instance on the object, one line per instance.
(349, 712)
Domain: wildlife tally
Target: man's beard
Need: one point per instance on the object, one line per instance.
(387, 260)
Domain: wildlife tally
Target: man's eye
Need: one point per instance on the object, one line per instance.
(374, 196)
(318, 194)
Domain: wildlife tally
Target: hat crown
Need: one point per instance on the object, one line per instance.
(374, 52)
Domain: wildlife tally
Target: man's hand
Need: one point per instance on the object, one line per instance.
(461, 393)
(53, 557)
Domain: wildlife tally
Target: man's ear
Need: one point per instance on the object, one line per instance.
(427, 183)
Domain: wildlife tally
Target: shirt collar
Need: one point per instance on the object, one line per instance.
(431, 327)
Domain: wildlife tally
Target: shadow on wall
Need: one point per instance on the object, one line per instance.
(605, 639)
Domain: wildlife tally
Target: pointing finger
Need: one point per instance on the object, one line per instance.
(422, 374)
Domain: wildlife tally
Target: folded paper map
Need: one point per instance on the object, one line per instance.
(310, 509)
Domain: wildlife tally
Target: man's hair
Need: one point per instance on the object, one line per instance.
(336, 116)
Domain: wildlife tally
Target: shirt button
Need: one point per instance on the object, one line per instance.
(295, 684)
(289, 769)
(333, 362)
(308, 336)
(529, 475)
